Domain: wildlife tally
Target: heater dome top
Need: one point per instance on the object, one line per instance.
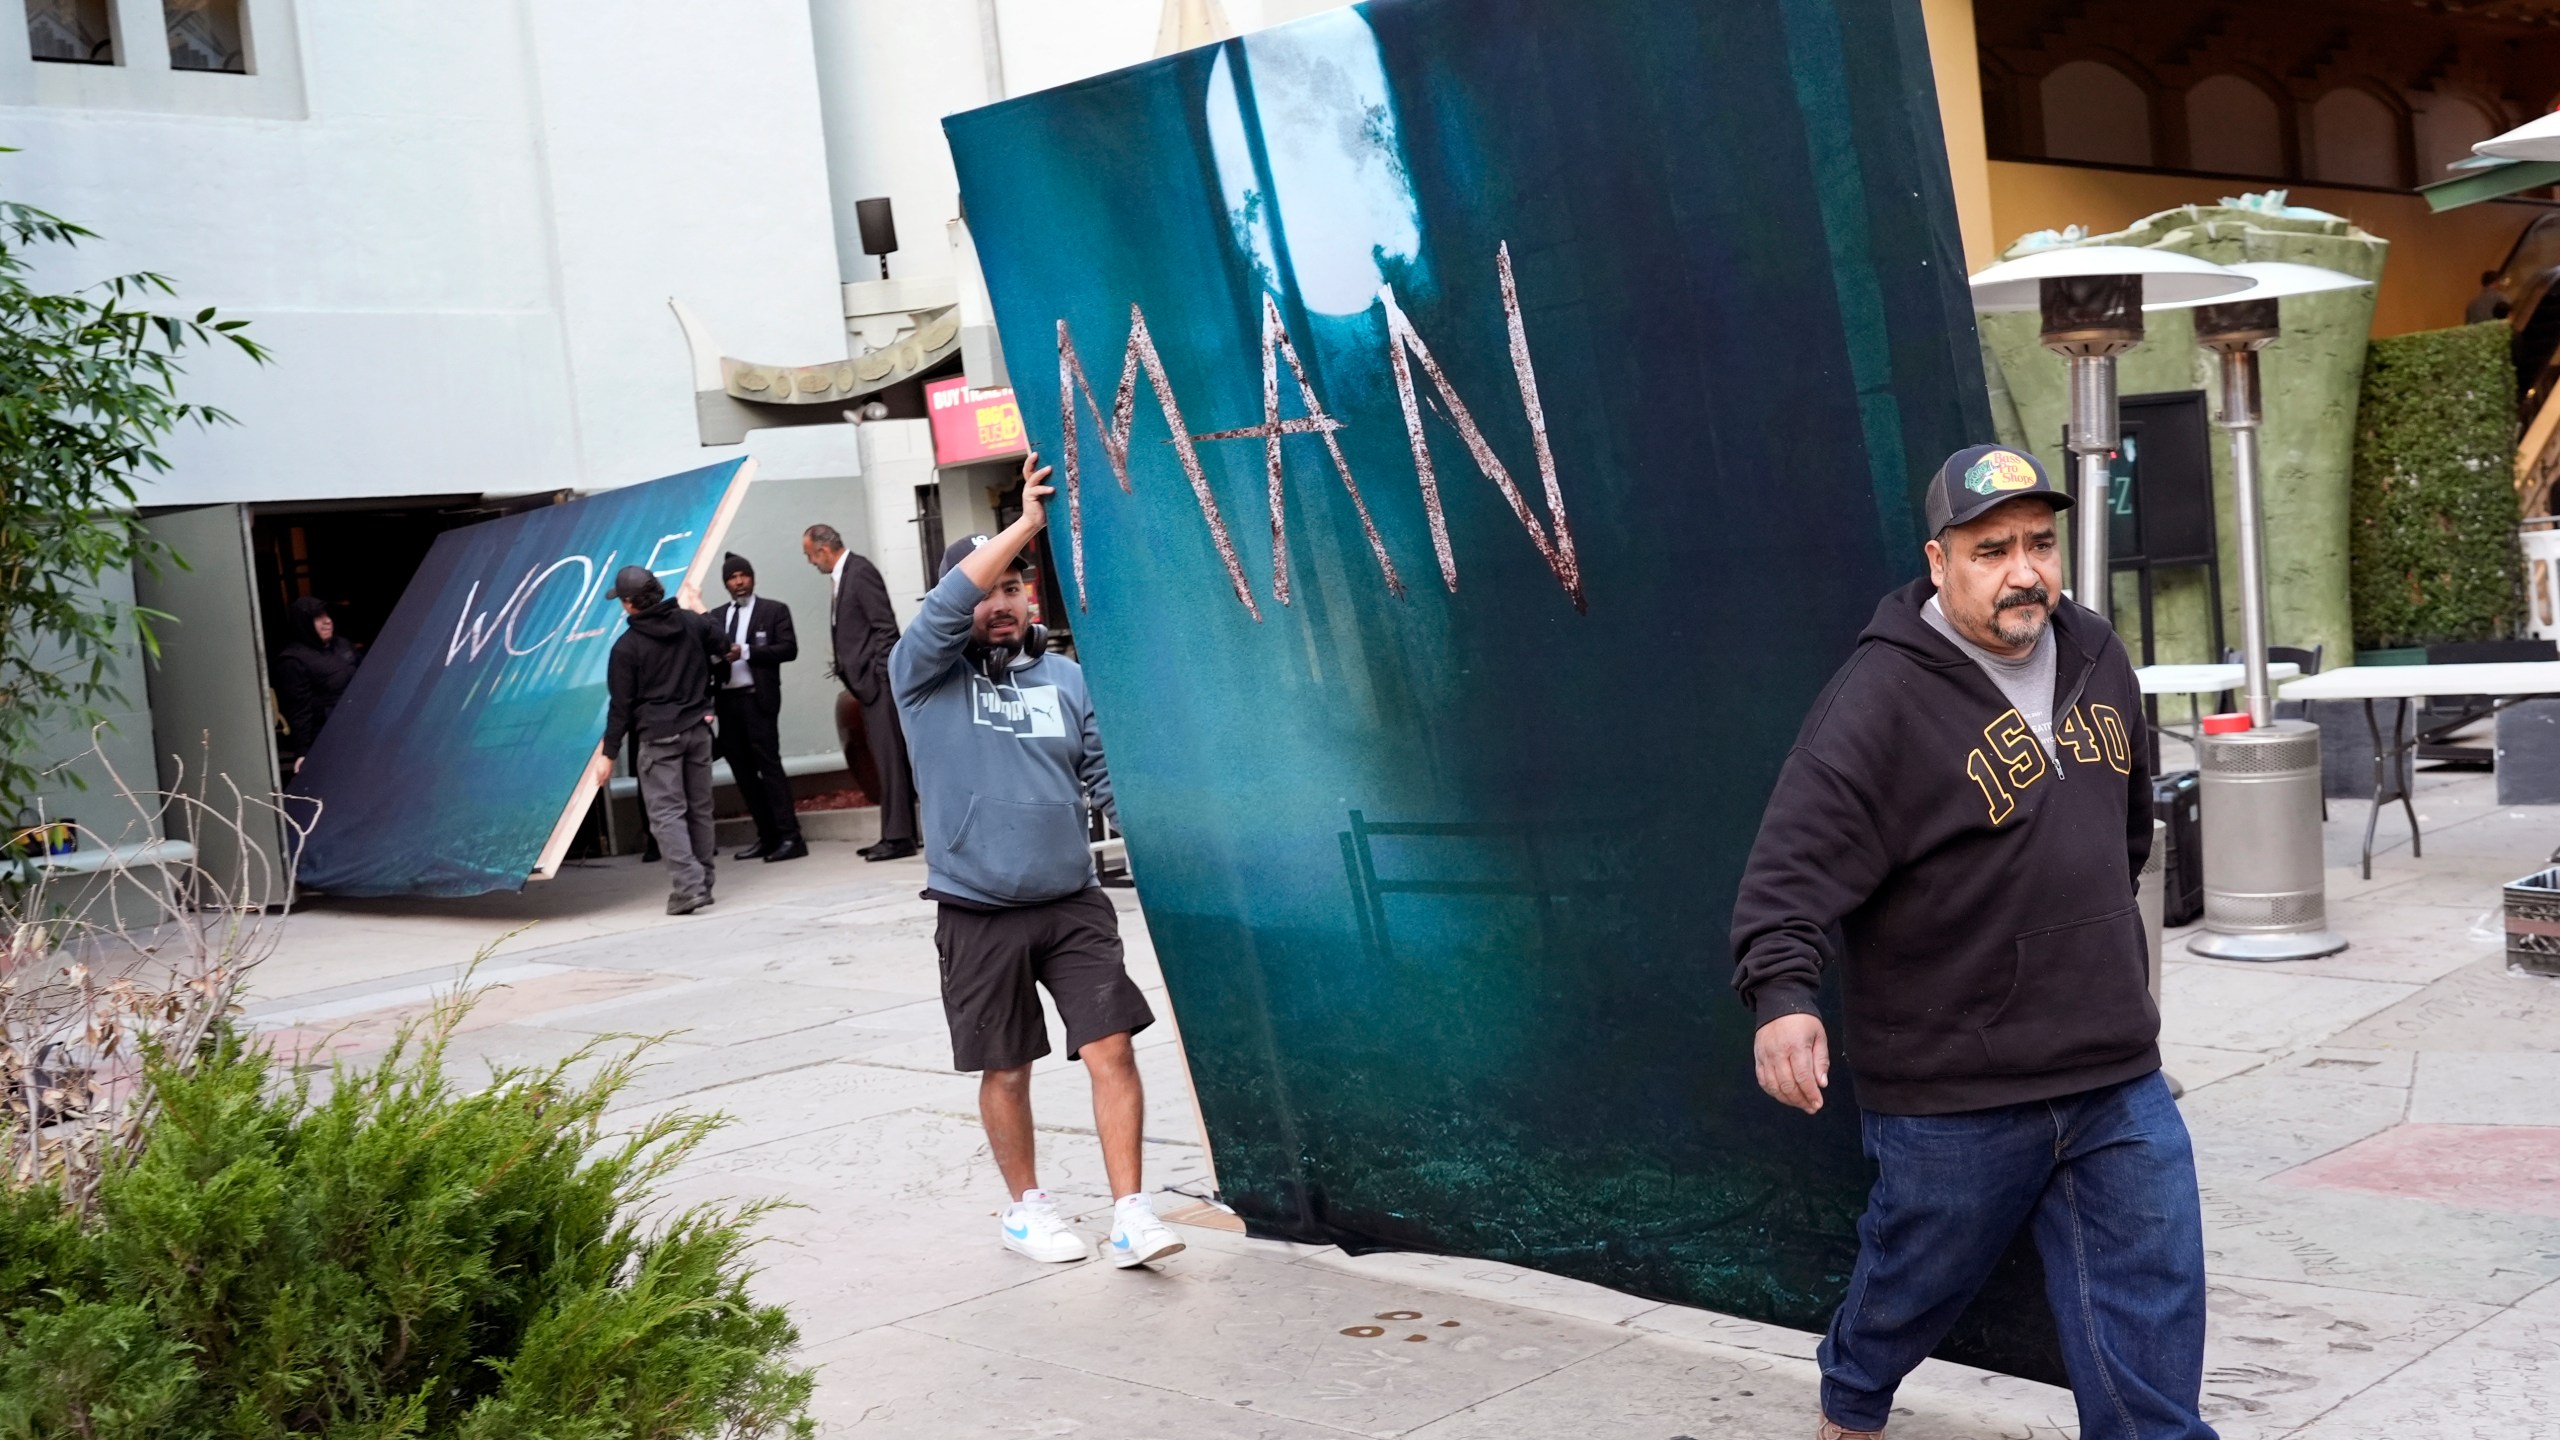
(2169, 280)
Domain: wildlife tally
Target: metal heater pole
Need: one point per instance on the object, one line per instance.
(2240, 417)
(2265, 892)
(2093, 443)
(2089, 320)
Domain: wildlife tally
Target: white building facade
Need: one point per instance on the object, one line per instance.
(458, 225)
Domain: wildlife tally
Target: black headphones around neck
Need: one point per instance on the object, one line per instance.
(996, 661)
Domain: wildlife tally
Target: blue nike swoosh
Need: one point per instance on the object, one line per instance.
(1022, 1234)
(1122, 1241)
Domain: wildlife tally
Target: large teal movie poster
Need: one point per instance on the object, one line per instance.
(456, 762)
(1483, 426)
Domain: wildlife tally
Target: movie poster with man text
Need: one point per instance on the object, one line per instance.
(1482, 426)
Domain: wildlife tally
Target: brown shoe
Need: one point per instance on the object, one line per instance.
(1830, 1431)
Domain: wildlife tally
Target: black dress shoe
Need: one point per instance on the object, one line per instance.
(757, 851)
(791, 849)
(890, 850)
(649, 853)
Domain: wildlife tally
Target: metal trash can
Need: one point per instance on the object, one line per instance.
(2265, 890)
(2533, 923)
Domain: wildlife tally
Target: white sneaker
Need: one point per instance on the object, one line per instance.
(1138, 1237)
(1033, 1227)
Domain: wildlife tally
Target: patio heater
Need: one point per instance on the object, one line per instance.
(2265, 893)
(2092, 298)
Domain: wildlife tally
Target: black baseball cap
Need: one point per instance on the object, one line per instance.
(635, 582)
(959, 550)
(1980, 476)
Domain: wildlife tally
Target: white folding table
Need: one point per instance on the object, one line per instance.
(2512, 680)
(2199, 680)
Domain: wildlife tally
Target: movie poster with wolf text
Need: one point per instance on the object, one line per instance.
(1482, 427)
(456, 762)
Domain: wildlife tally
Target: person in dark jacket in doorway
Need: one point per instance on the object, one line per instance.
(1960, 824)
(659, 682)
(310, 674)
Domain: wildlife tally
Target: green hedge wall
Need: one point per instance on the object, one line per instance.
(2432, 546)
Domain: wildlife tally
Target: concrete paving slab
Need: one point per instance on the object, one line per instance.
(1295, 1340)
(2278, 1355)
(2545, 1301)
(803, 1101)
(923, 1160)
(2510, 1169)
(2404, 943)
(724, 1012)
(2501, 1378)
(2391, 1068)
(911, 1231)
(2482, 1008)
(1708, 1327)
(1660, 1385)
(2272, 1230)
(2261, 1008)
(2257, 1124)
(2502, 1088)
(893, 1382)
(680, 1069)
(360, 1026)
(1490, 1280)
(2196, 1066)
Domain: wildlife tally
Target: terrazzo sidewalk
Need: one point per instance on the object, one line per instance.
(2378, 1137)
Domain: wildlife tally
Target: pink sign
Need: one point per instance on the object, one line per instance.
(972, 424)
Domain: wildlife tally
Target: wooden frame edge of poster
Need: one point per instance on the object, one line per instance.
(565, 829)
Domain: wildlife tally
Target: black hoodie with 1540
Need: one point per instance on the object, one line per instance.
(1979, 890)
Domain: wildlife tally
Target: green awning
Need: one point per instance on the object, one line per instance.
(2488, 180)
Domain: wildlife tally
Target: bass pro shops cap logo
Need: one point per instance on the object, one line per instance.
(1999, 471)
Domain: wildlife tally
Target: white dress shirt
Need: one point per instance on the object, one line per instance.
(741, 615)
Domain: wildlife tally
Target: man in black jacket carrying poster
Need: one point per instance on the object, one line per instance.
(1961, 821)
(658, 680)
(747, 690)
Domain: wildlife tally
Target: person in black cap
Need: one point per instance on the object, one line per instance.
(1959, 827)
(748, 693)
(861, 628)
(659, 681)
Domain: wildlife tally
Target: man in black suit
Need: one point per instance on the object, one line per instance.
(863, 629)
(749, 699)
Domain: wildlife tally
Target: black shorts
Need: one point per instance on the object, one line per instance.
(991, 958)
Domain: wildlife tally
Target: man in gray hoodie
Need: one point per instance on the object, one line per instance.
(1008, 766)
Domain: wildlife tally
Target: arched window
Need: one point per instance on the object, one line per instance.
(2093, 111)
(2355, 139)
(2233, 128)
(2446, 130)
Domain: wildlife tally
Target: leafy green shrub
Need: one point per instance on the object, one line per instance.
(398, 1258)
(2432, 552)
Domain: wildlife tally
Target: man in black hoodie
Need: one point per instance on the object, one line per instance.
(1959, 825)
(659, 681)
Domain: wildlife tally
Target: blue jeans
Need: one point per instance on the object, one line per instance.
(2107, 1179)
